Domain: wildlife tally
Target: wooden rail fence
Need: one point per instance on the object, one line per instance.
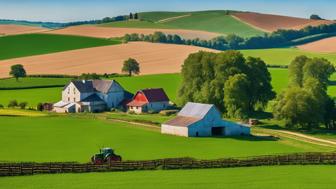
(15, 169)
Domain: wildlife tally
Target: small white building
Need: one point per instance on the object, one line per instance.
(202, 120)
(90, 96)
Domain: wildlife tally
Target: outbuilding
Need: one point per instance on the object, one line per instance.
(149, 100)
(202, 120)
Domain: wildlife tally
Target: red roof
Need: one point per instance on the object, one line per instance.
(155, 95)
(136, 103)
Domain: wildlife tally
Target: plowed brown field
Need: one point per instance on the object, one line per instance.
(154, 58)
(270, 23)
(109, 32)
(327, 45)
(9, 29)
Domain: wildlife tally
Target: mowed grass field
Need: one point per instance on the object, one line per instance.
(65, 138)
(32, 82)
(37, 44)
(211, 21)
(276, 177)
(169, 82)
(284, 56)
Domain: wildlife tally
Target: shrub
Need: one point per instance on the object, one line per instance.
(23, 105)
(1, 106)
(12, 104)
(39, 107)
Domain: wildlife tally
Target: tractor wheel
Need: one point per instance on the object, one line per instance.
(96, 161)
(113, 158)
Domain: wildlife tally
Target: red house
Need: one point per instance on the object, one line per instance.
(149, 100)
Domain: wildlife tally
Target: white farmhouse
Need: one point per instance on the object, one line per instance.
(90, 96)
(202, 120)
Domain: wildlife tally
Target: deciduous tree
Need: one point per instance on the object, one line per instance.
(131, 66)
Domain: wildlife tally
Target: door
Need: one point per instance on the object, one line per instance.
(218, 131)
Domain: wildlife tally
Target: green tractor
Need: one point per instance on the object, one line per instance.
(106, 155)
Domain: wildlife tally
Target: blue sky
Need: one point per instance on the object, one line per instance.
(71, 10)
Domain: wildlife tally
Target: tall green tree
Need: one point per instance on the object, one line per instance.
(295, 70)
(236, 96)
(18, 71)
(260, 89)
(204, 75)
(131, 66)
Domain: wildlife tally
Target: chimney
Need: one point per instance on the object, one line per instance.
(83, 81)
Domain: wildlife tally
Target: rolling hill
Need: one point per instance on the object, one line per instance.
(270, 23)
(210, 21)
(37, 44)
(327, 45)
(11, 29)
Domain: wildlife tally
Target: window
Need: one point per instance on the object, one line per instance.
(68, 98)
(74, 99)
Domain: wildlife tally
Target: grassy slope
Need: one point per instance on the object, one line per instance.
(36, 44)
(136, 24)
(63, 138)
(170, 83)
(157, 16)
(32, 82)
(286, 55)
(212, 21)
(289, 177)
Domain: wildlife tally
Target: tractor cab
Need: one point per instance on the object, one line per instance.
(105, 155)
(106, 151)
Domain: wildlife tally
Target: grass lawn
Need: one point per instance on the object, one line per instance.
(276, 177)
(19, 112)
(31, 96)
(36, 44)
(284, 56)
(67, 138)
(32, 82)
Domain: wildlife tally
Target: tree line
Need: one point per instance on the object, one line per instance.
(305, 104)
(241, 86)
(278, 38)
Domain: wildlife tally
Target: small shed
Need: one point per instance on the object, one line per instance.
(147, 100)
(202, 120)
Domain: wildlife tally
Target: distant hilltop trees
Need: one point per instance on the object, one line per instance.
(315, 17)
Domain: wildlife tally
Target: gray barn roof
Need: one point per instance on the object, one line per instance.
(195, 110)
(86, 86)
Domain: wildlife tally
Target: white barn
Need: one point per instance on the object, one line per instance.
(90, 96)
(202, 120)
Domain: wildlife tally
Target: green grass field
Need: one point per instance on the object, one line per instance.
(77, 138)
(31, 96)
(137, 24)
(276, 177)
(284, 56)
(170, 83)
(37, 44)
(32, 82)
(211, 21)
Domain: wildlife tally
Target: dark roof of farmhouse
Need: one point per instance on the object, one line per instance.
(86, 86)
(155, 95)
(92, 98)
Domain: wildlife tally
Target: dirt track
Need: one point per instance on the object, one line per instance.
(108, 32)
(327, 45)
(268, 22)
(9, 29)
(154, 58)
